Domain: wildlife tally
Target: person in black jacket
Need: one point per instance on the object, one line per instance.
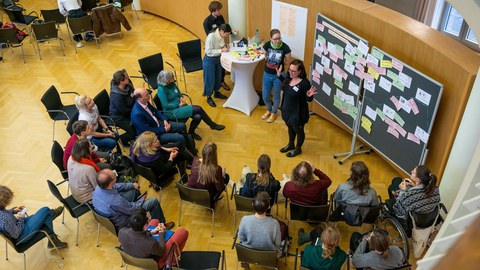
(297, 91)
(121, 104)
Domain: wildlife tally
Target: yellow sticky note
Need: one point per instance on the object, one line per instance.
(366, 124)
(386, 63)
(374, 73)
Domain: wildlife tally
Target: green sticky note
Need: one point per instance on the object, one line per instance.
(398, 85)
(339, 48)
(321, 39)
(350, 58)
(377, 54)
(339, 84)
(352, 111)
(380, 113)
(399, 119)
(337, 102)
(392, 75)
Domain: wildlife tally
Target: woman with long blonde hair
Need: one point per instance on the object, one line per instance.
(325, 252)
(207, 174)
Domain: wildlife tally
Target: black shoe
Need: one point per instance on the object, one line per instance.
(294, 152)
(225, 86)
(196, 136)
(211, 102)
(57, 211)
(217, 127)
(287, 148)
(219, 95)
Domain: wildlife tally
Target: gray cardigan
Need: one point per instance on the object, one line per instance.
(374, 260)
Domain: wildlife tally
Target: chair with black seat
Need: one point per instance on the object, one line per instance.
(142, 263)
(102, 100)
(57, 158)
(9, 37)
(158, 182)
(190, 54)
(106, 223)
(308, 213)
(150, 66)
(80, 26)
(72, 120)
(45, 32)
(75, 208)
(125, 3)
(423, 226)
(54, 15)
(55, 108)
(265, 258)
(17, 16)
(88, 5)
(22, 246)
(242, 204)
(201, 260)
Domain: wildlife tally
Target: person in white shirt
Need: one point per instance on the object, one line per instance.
(212, 69)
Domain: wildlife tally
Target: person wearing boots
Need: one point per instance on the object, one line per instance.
(21, 227)
(172, 101)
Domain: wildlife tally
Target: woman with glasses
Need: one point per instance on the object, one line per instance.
(297, 91)
(276, 54)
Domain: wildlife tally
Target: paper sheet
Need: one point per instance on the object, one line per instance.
(421, 134)
(423, 96)
(385, 84)
(370, 113)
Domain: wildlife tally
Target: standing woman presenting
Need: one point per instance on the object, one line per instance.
(296, 93)
(212, 68)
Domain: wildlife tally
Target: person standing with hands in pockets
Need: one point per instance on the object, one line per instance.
(297, 91)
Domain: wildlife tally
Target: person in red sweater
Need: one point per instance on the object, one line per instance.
(304, 189)
(80, 131)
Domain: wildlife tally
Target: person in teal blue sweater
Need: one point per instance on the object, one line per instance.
(172, 101)
(325, 253)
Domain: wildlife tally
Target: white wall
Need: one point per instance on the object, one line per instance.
(237, 17)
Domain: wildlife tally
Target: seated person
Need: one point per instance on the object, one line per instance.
(137, 242)
(20, 228)
(121, 104)
(172, 101)
(373, 250)
(207, 174)
(80, 131)
(145, 117)
(357, 190)
(304, 189)
(148, 151)
(109, 203)
(325, 252)
(263, 180)
(417, 194)
(101, 136)
(260, 231)
(82, 171)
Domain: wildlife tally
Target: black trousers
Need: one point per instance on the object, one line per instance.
(296, 131)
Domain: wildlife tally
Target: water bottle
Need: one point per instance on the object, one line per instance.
(257, 36)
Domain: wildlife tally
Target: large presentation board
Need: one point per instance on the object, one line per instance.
(398, 110)
(338, 62)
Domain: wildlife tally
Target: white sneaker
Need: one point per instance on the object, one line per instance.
(79, 45)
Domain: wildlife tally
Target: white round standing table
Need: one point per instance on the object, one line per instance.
(243, 98)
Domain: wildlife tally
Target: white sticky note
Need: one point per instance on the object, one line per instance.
(385, 84)
(372, 59)
(362, 47)
(337, 76)
(349, 67)
(353, 88)
(405, 105)
(369, 85)
(350, 50)
(388, 111)
(319, 68)
(349, 99)
(405, 79)
(340, 94)
(421, 134)
(325, 61)
(371, 113)
(423, 97)
(331, 48)
(326, 89)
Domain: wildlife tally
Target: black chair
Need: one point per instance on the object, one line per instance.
(45, 32)
(88, 5)
(75, 208)
(201, 260)
(54, 15)
(105, 222)
(142, 263)
(55, 108)
(242, 204)
(9, 37)
(125, 3)
(423, 224)
(57, 158)
(190, 54)
(72, 120)
(150, 66)
(16, 15)
(102, 100)
(80, 26)
(265, 258)
(158, 182)
(22, 246)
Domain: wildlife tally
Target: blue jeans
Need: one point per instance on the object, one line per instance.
(44, 216)
(153, 206)
(212, 75)
(269, 81)
(175, 134)
(106, 144)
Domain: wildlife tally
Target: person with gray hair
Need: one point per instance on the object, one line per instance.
(172, 101)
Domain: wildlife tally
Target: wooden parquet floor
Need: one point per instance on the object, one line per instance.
(26, 134)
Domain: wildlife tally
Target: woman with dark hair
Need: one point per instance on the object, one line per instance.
(297, 92)
(304, 189)
(418, 193)
(212, 68)
(207, 174)
(173, 101)
(373, 250)
(357, 190)
(263, 180)
(121, 104)
(325, 253)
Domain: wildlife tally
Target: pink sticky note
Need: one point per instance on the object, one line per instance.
(333, 57)
(381, 71)
(317, 51)
(359, 66)
(327, 70)
(344, 74)
(397, 65)
(361, 60)
(390, 122)
(335, 67)
(359, 74)
(413, 105)
(315, 73)
(325, 49)
(320, 27)
(345, 110)
(316, 80)
(393, 131)
(397, 103)
(368, 77)
(413, 138)
(339, 55)
(400, 130)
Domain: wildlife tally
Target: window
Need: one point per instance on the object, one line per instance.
(453, 24)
